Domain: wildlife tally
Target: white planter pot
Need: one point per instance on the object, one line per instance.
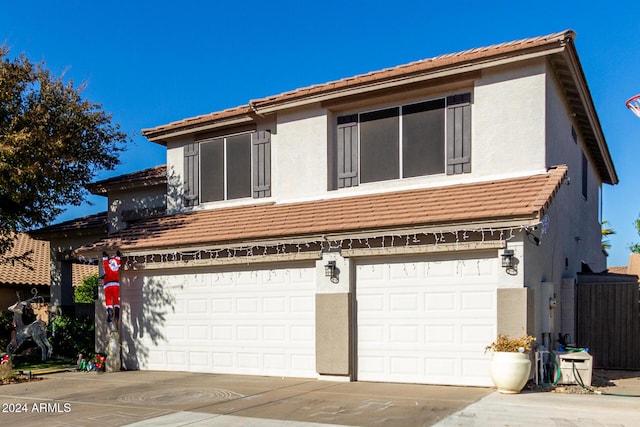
(510, 371)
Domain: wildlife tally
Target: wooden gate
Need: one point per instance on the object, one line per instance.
(608, 319)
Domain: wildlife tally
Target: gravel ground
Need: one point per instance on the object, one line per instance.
(602, 381)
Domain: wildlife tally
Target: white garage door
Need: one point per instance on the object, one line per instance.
(259, 322)
(426, 320)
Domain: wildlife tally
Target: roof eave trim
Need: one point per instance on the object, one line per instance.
(577, 72)
(261, 107)
(270, 107)
(486, 226)
(161, 136)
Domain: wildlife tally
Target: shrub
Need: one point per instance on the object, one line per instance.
(71, 336)
(88, 291)
(512, 345)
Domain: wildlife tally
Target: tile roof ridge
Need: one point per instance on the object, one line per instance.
(558, 36)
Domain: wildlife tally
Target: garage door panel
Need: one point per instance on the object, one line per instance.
(425, 320)
(440, 334)
(405, 301)
(199, 359)
(302, 304)
(478, 334)
(404, 365)
(440, 367)
(439, 301)
(478, 300)
(403, 334)
(245, 322)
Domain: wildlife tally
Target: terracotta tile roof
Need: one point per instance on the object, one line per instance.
(523, 198)
(618, 270)
(425, 66)
(80, 271)
(35, 271)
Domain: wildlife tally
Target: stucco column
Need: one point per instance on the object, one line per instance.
(61, 292)
(333, 318)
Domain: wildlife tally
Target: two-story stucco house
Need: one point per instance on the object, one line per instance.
(380, 227)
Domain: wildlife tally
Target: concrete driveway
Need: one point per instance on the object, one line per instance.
(143, 398)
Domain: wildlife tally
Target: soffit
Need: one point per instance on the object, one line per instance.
(139, 179)
(93, 225)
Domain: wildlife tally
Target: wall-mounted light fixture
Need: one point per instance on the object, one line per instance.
(331, 271)
(507, 259)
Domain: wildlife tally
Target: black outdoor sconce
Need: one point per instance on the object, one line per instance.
(331, 271)
(507, 259)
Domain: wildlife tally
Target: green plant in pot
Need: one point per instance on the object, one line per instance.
(510, 363)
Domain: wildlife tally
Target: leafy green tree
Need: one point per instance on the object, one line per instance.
(606, 231)
(88, 291)
(635, 247)
(52, 143)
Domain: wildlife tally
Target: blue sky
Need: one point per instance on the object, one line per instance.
(153, 62)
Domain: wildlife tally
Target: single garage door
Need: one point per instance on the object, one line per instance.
(251, 321)
(426, 320)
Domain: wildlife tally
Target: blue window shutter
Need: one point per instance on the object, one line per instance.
(459, 134)
(347, 151)
(261, 146)
(191, 174)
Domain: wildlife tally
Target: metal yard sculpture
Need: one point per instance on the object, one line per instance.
(36, 330)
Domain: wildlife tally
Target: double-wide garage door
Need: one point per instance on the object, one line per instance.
(240, 322)
(426, 321)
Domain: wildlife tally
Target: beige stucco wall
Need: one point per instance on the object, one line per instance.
(333, 334)
(122, 201)
(508, 131)
(508, 121)
(515, 311)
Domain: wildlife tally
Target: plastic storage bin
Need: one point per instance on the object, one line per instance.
(583, 363)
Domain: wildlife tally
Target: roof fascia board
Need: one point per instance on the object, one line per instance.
(577, 73)
(104, 189)
(161, 137)
(217, 262)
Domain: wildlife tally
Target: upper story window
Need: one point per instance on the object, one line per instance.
(425, 138)
(227, 168)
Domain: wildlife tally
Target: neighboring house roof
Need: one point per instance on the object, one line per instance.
(140, 179)
(558, 47)
(80, 271)
(35, 271)
(521, 200)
